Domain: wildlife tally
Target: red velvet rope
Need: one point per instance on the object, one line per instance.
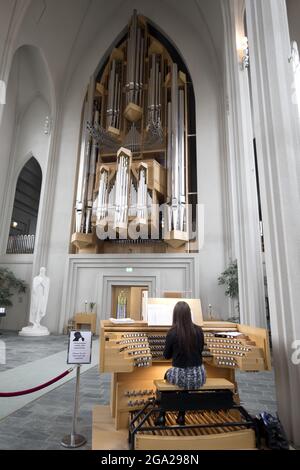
(35, 389)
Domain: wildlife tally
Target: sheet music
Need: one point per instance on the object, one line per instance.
(160, 315)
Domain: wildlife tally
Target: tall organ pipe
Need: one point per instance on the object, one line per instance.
(122, 191)
(181, 149)
(169, 153)
(141, 72)
(92, 172)
(182, 191)
(102, 197)
(81, 173)
(142, 195)
(175, 176)
(84, 163)
(135, 62)
(176, 153)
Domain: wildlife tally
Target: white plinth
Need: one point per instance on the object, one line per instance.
(34, 331)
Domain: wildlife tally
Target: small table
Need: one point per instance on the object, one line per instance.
(86, 319)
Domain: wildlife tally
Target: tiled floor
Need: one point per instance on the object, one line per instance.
(257, 391)
(21, 350)
(43, 423)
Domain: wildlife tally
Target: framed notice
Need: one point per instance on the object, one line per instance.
(80, 347)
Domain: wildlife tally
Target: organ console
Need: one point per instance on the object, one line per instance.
(134, 175)
(133, 353)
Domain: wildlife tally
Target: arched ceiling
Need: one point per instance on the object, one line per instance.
(65, 29)
(29, 77)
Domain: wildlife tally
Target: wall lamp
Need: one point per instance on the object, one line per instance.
(48, 125)
(243, 51)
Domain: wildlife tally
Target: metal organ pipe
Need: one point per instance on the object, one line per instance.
(142, 195)
(159, 98)
(141, 72)
(81, 173)
(176, 153)
(156, 91)
(114, 109)
(118, 188)
(84, 164)
(111, 89)
(125, 192)
(137, 67)
(122, 191)
(169, 153)
(181, 161)
(118, 106)
(114, 95)
(175, 175)
(102, 197)
(135, 62)
(92, 172)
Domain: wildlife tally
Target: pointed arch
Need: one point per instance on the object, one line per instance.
(26, 208)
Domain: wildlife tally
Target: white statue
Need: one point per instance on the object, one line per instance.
(38, 306)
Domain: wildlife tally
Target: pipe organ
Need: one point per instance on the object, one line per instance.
(133, 181)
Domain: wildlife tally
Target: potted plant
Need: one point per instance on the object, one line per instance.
(9, 285)
(92, 305)
(229, 278)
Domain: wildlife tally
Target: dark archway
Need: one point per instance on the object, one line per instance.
(25, 210)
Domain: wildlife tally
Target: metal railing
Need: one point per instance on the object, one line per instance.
(20, 244)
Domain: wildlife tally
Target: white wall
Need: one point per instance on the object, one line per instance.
(7, 131)
(31, 137)
(91, 278)
(22, 136)
(22, 130)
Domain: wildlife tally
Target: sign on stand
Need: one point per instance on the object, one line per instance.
(80, 347)
(79, 352)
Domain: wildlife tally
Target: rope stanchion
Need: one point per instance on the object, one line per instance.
(36, 389)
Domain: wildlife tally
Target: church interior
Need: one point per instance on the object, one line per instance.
(149, 156)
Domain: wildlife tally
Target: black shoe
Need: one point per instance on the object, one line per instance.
(181, 418)
(161, 419)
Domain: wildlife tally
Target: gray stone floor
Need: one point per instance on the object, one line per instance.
(21, 350)
(42, 423)
(257, 391)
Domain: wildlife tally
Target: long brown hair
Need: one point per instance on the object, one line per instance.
(184, 327)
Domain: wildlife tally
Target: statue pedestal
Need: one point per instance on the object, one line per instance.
(34, 330)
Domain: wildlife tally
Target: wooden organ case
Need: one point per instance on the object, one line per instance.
(133, 353)
(135, 192)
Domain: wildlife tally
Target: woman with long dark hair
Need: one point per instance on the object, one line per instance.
(184, 345)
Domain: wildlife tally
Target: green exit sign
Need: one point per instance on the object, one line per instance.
(129, 270)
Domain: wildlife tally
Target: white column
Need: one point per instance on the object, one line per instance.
(278, 144)
(241, 174)
(12, 14)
